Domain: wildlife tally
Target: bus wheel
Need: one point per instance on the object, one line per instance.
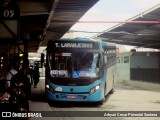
(112, 90)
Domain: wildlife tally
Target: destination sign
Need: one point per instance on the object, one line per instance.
(74, 45)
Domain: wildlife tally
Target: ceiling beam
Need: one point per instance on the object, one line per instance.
(35, 8)
(52, 11)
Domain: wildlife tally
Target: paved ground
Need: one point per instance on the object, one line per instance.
(128, 96)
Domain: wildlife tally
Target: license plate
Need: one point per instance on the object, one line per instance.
(71, 97)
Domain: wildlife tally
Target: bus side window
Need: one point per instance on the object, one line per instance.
(105, 58)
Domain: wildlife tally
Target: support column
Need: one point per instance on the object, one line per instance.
(25, 55)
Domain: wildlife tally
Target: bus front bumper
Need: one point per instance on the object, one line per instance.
(80, 97)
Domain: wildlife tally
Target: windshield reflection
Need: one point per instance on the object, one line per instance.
(75, 65)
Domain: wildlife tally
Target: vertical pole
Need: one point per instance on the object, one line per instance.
(18, 41)
(18, 33)
(25, 57)
(0, 63)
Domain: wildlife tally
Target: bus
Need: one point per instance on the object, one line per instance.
(79, 70)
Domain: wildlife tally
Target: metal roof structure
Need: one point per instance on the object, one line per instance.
(40, 21)
(142, 30)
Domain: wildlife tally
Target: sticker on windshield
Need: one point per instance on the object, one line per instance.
(59, 73)
(92, 73)
(75, 74)
(78, 74)
(84, 74)
(66, 54)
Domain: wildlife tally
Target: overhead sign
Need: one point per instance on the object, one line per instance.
(9, 10)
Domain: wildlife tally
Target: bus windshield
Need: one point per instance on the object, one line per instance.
(74, 65)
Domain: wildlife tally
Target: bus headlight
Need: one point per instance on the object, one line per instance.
(93, 90)
(49, 88)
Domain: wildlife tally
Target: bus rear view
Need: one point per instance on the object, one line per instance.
(74, 71)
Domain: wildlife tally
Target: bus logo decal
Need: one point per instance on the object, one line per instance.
(71, 89)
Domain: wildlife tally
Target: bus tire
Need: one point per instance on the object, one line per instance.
(50, 102)
(112, 90)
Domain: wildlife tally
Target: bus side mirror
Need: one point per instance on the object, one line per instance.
(42, 58)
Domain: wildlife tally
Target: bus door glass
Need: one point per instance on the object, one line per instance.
(61, 65)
